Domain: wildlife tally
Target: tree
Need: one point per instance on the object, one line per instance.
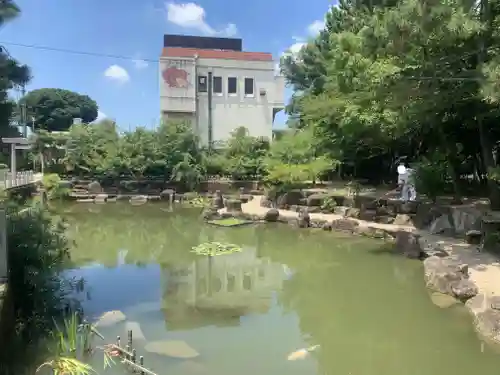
(55, 109)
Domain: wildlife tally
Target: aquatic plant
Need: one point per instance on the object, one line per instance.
(71, 344)
(216, 248)
(229, 222)
(200, 202)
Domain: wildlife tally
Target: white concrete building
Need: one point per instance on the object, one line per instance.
(218, 88)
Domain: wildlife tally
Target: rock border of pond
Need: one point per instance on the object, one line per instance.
(451, 266)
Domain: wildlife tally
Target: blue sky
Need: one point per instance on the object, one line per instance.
(128, 89)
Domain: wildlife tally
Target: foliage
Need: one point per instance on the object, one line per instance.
(215, 248)
(292, 161)
(13, 76)
(72, 345)
(431, 176)
(38, 253)
(400, 78)
(328, 204)
(54, 189)
(55, 109)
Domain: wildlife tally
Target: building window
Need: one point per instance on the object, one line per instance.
(249, 87)
(232, 85)
(217, 85)
(202, 84)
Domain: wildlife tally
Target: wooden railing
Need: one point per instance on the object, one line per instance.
(8, 180)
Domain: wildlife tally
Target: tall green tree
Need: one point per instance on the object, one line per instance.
(55, 109)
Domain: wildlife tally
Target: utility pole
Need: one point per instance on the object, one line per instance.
(23, 119)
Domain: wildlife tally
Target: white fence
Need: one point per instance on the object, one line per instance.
(9, 180)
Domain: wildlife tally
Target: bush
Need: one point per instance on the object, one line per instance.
(431, 176)
(38, 253)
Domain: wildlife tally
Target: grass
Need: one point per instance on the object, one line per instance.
(229, 222)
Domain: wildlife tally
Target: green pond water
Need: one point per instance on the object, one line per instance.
(244, 313)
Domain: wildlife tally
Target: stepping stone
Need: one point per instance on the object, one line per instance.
(176, 349)
(110, 317)
(137, 333)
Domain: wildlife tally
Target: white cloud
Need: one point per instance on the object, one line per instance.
(192, 16)
(314, 28)
(117, 73)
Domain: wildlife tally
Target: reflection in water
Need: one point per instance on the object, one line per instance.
(222, 288)
(247, 312)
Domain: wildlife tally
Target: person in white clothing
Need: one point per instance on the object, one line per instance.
(405, 181)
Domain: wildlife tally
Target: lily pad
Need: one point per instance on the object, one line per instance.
(215, 248)
(176, 349)
(229, 222)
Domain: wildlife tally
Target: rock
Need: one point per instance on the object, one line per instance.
(441, 225)
(85, 200)
(352, 212)
(347, 225)
(408, 244)
(326, 226)
(272, 215)
(94, 187)
(495, 302)
(138, 200)
(371, 232)
(384, 219)
(245, 198)
(101, 198)
(233, 205)
(293, 197)
(176, 349)
(316, 199)
(210, 213)
(443, 300)
(168, 194)
(408, 207)
(446, 276)
(403, 219)
(368, 215)
(341, 210)
(266, 202)
(137, 333)
(110, 317)
(473, 237)
(464, 289)
(218, 200)
(304, 220)
(486, 319)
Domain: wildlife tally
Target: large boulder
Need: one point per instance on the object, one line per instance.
(94, 187)
(446, 276)
(218, 200)
(347, 225)
(272, 215)
(266, 202)
(486, 313)
(168, 195)
(293, 197)
(233, 205)
(304, 220)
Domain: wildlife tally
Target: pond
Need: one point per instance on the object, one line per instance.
(244, 313)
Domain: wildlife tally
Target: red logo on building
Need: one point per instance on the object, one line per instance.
(175, 77)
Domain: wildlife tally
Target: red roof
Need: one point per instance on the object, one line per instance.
(216, 54)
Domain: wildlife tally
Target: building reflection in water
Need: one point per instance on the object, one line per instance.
(219, 290)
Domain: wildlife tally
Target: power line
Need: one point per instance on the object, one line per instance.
(75, 52)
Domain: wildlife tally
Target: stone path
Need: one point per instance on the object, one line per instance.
(484, 268)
